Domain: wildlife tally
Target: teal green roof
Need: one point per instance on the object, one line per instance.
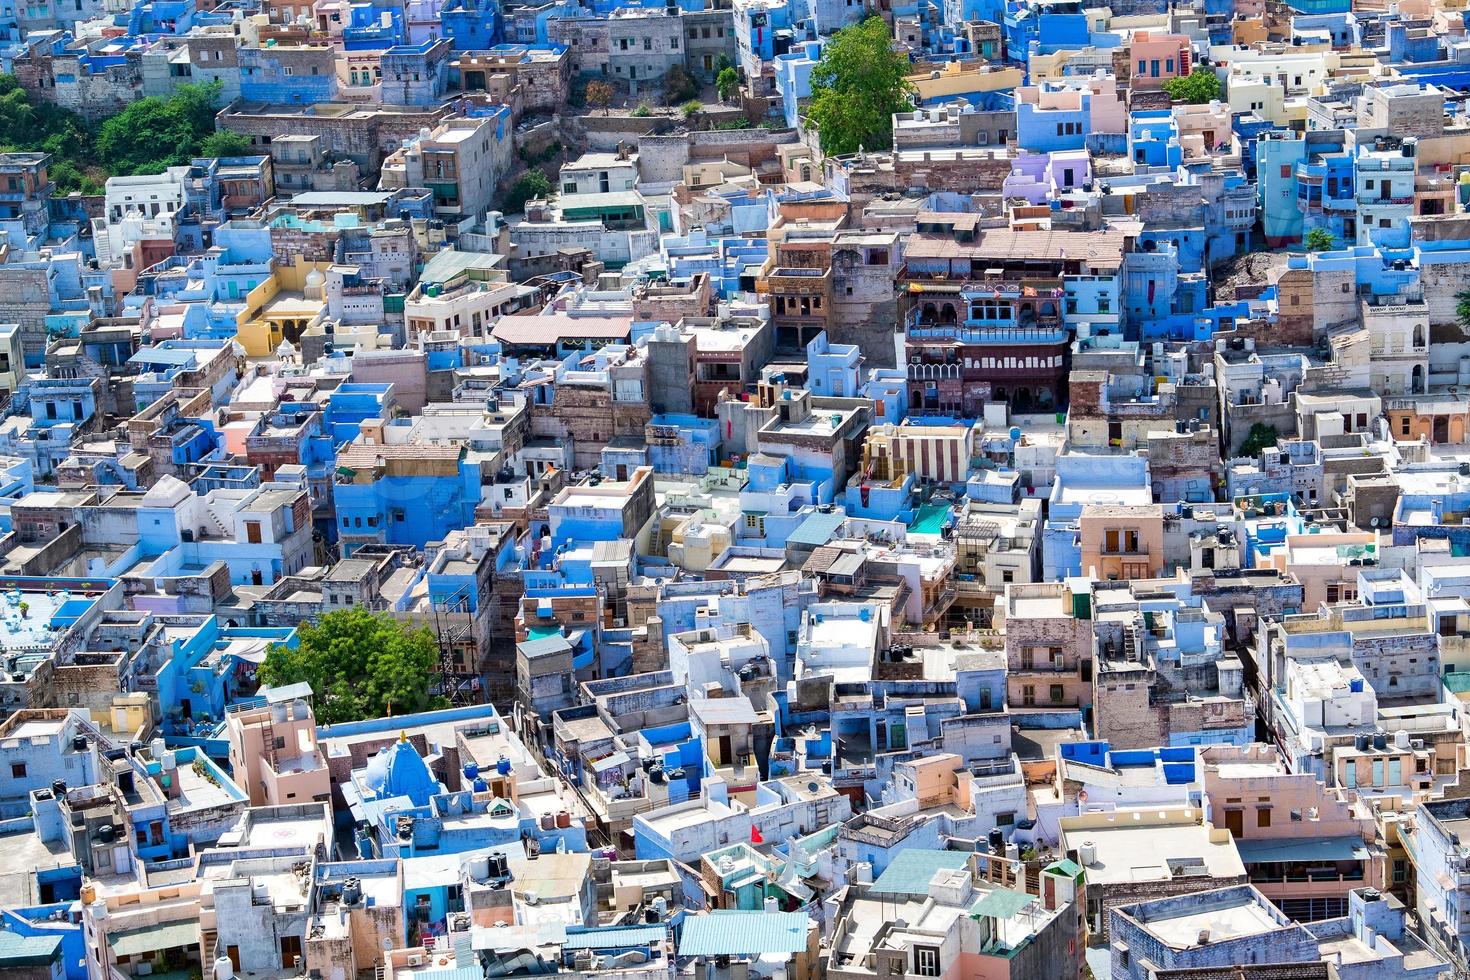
(18, 950)
(1001, 903)
(1066, 867)
(930, 519)
(1457, 681)
(911, 871)
(817, 529)
(731, 933)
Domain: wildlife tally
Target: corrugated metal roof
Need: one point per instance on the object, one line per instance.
(725, 711)
(543, 647)
(1302, 849)
(912, 870)
(453, 973)
(170, 935)
(615, 937)
(734, 933)
(817, 529)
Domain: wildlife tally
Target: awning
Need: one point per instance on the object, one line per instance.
(1001, 903)
(1302, 849)
(149, 939)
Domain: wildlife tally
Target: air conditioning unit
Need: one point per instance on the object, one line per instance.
(415, 959)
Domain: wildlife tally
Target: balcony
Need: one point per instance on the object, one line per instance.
(940, 603)
(969, 332)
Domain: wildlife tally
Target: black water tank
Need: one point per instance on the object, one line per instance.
(997, 841)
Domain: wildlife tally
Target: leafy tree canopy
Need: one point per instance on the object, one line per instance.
(727, 83)
(359, 665)
(528, 186)
(1199, 86)
(152, 133)
(1320, 240)
(223, 143)
(1261, 436)
(146, 137)
(1462, 308)
(857, 86)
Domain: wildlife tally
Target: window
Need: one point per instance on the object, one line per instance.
(1028, 695)
(1400, 870)
(17, 770)
(926, 961)
(1263, 816)
(1057, 694)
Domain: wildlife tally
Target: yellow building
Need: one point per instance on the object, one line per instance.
(956, 78)
(282, 308)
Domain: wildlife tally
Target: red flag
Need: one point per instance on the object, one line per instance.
(755, 835)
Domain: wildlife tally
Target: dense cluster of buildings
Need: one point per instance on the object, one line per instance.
(1037, 545)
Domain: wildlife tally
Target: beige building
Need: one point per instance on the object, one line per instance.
(940, 453)
(1137, 855)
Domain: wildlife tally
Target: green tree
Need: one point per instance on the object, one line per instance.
(679, 86)
(1462, 308)
(25, 127)
(723, 62)
(223, 143)
(727, 83)
(857, 86)
(1199, 86)
(1261, 436)
(1320, 240)
(528, 186)
(691, 108)
(359, 665)
(155, 133)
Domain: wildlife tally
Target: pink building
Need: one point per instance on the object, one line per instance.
(1156, 58)
(273, 749)
(1303, 845)
(1107, 112)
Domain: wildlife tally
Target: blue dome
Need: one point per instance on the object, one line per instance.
(398, 770)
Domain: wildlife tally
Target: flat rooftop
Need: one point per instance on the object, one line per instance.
(1223, 923)
(1134, 850)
